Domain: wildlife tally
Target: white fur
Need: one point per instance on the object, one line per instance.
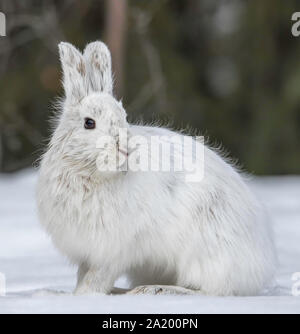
(210, 236)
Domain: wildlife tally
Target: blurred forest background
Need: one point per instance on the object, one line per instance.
(229, 68)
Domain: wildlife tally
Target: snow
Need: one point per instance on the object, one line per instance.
(33, 268)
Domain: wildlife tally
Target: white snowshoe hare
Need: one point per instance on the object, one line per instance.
(166, 234)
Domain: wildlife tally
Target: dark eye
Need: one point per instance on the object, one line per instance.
(89, 123)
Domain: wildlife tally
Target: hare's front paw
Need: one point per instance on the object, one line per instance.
(161, 290)
(93, 281)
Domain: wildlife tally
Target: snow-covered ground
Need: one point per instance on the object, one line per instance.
(31, 264)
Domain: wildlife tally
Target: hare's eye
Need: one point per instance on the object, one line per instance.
(89, 123)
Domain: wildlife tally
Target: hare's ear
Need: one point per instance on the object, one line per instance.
(98, 61)
(74, 72)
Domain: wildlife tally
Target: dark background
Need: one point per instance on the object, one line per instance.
(229, 68)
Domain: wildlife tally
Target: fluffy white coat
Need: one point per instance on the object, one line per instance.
(211, 236)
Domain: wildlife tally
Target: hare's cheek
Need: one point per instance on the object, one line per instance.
(108, 157)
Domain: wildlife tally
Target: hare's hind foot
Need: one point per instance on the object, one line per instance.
(161, 290)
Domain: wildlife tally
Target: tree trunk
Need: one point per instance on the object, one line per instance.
(115, 30)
